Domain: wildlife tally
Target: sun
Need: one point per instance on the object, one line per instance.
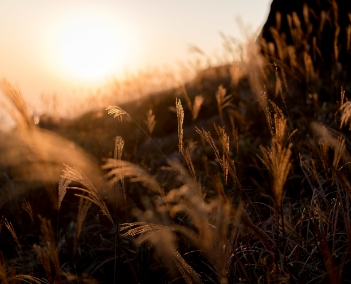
(90, 49)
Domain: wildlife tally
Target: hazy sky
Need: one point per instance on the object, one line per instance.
(33, 34)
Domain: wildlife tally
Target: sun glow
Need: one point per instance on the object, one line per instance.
(90, 48)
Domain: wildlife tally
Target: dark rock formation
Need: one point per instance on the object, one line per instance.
(312, 40)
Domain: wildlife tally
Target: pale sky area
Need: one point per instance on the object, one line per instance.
(50, 46)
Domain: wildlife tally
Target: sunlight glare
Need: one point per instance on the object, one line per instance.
(90, 49)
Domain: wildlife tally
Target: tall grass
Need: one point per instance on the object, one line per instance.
(271, 206)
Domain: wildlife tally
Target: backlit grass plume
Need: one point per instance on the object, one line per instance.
(89, 191)
(277, 157)
(116, 112)
(180, 117)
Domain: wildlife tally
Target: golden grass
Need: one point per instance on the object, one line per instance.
(47, 252)
(9, 226)
(28, 208)
(277, 157)
(89, 192)
(194, 107)
(241, 232)
(180, 117)
(150, 121)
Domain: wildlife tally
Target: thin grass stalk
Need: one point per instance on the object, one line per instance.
(9, 226)
(92, 194)
(83, 208)
(28, 208)
(119, 144)
(180, 118)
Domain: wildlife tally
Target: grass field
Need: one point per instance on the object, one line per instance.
(237, 176)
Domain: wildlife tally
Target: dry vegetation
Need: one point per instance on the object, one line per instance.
(225, 179)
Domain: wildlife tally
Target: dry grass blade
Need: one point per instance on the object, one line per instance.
(14, 95)
(277, 161)
(62, 189)
(7, 275)
(150, 121)
(224, 138)
(84, 205)
(280, 125)
(226, 163)
(329, 139)
(342, 97)
(49, 245)
(122, 169)
(217, 184)
(116, 112)
(186, 96)
(277, 157)
(9, 226)
(189, 162)
(180, 118)
(28, 208)
(264, 104)
(1, 222)
(196, 106)
(45, 261)
(137, 228)
(208, 137)
(345, 110)
(223, 100)
(74, 174)
(189, 274)
(119, 145)
(28, 279)
(339, 152)
(198, 101)
(235, 134)
(3, 274)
